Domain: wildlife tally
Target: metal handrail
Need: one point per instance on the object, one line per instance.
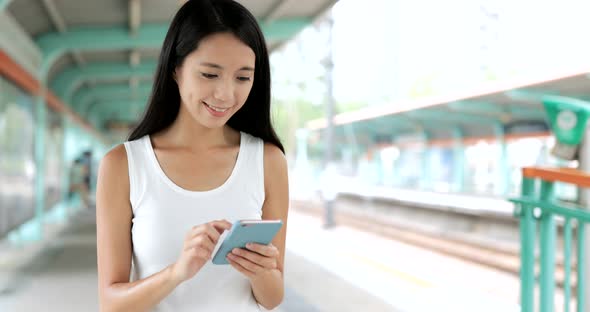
(533, 208)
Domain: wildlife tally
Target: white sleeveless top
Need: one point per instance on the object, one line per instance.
(163, 212)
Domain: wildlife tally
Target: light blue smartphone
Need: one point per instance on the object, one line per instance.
(246, 231)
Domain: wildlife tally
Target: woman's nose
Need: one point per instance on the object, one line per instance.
(224, 91)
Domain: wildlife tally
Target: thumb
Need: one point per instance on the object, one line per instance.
(221, 225)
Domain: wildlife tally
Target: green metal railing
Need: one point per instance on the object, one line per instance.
(538, 208)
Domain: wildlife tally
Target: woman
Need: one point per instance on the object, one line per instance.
(203, 155)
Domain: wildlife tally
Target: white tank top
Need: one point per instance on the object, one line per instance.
(163, 212)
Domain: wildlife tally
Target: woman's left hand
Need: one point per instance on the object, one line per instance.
(255, 260)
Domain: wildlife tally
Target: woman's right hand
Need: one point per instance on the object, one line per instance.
(197, 248)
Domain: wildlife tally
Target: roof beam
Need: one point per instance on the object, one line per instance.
(53, 44)
(84, 98)
(274, 11)
(60, 25)
(529, 95)
(134, 60)
(461, 118)
(501, 111)
(134, 16)
(17, 43)
(66, 82)
(134, 24)
(149, 36)
(99, 111)
(54, 15)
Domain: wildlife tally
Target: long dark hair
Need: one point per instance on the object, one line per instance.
(195, 20)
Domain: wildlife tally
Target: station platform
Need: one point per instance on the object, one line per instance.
(337, 269)
(444, 201)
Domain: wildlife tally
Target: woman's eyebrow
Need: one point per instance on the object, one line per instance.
(217, 66)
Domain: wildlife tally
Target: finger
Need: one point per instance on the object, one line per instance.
(247, 264)
(265, 262)
(207, 229)
(221, 225)
(201, 241)
(240, 268)
(265, 250)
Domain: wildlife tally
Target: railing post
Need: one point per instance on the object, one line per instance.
(527, 252)
(581, 267)
(567, 251)
(547, 246)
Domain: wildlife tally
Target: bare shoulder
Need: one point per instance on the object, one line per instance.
(113, 173)
(274, 159)
(276, 185)
(114, 161)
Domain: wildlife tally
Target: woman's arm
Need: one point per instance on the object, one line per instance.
(114, 248)
(263, 265)
(269, 289)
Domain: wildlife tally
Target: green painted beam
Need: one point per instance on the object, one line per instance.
(65, 83)
(84, 97)
(529, 95)
(284, 29)
(54, 44)
(477, 107)
(102, 109)
(502, 111)
(122, 110)
(450, 117)
(523, 112)
(4, 4)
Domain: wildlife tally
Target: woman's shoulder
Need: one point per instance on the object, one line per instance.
(275, 161)
(114, 160)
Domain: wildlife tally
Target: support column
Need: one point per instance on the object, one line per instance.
(40, 128)
(329, 152)
(377, 166)
(67, 164)
(503, 174)
(458, 161)
(426, 179)
(303, 173)
(584, 194)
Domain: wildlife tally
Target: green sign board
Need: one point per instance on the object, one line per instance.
(568, 118)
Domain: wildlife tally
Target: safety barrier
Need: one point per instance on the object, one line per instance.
(535, 207)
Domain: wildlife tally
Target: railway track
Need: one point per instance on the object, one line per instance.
(499, 257)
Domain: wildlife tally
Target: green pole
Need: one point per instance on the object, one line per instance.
(567, 251)
(527, 251)
(581, 266)
(40, 125)
(548, 233)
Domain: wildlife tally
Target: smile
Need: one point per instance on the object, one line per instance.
(217, 109)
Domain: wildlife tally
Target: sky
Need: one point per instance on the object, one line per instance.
(387, 50)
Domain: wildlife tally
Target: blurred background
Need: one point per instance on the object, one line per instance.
(406, 126)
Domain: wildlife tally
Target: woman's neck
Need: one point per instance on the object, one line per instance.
(188, 133)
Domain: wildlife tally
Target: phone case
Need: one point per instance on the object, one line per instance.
(243, 232)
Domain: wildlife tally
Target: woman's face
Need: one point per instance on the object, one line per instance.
(214, 80)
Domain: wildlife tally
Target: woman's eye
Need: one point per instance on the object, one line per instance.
(244, 78)
(208, 76)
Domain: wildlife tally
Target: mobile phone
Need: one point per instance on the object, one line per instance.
(244, 232)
